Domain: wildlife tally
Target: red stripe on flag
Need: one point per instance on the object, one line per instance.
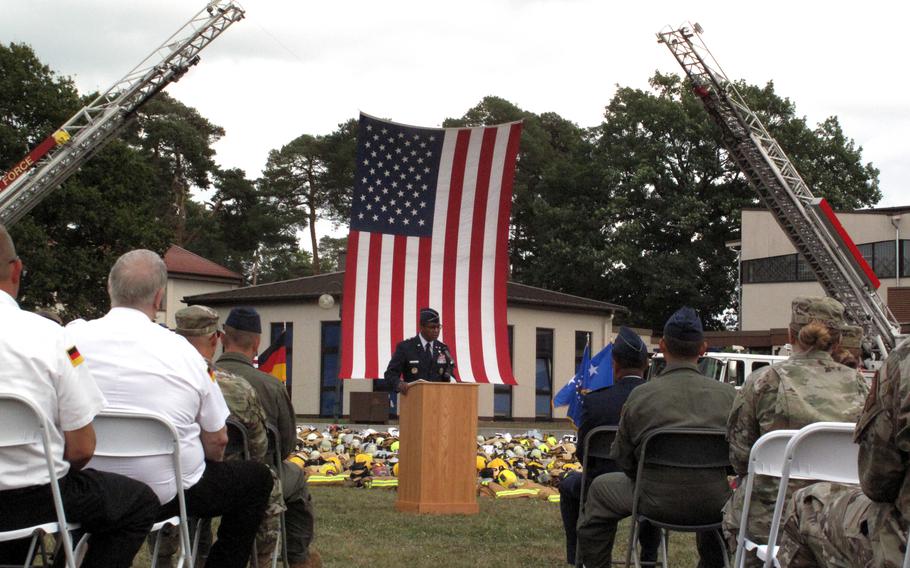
(502, 259)
(396, 329)
(372, 308)
(348, 307)
(451, 239)
(425, 251)
(475, 282)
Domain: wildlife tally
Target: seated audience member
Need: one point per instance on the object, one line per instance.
(242, 333)
(42, 365)
(602, 408)
(679, 397)
(199, 325)
(850, 353)
(143, 367)
(808, 387)
(828, 524)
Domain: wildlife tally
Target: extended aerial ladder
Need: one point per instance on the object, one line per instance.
(810, 223)
(57, 157)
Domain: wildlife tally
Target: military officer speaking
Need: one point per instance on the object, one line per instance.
(422, 357)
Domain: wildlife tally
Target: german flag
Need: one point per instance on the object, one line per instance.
(75, 357)
(274, 359)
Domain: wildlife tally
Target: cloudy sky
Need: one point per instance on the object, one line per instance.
(300, 66)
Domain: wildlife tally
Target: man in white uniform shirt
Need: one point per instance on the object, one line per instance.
(38, 363)
(141, 366)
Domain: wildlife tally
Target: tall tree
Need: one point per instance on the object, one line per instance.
(180, 142)
(310, 178)
(676, 199)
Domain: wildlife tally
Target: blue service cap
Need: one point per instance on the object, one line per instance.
(244, 319)
(428, 315)
(628, 345)
(684, 325)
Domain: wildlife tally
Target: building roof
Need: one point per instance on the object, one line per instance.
(183, 263)
(311, 287)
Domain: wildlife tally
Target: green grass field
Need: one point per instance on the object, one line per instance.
(360, 528)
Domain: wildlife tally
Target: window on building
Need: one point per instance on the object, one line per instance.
(543, 374)
(884, 259)
(331, 387)
(581, 339)
(881, 256)
(276, 328)
(502, 394)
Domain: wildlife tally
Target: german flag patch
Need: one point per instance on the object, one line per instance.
(212, 374)
(75, 357)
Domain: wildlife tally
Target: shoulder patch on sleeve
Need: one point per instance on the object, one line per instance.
(75, 357)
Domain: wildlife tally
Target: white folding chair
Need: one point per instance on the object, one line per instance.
(130, 435)
(823, 451)
(766, 459)
(23, 424)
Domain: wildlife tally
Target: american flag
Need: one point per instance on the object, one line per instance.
(429, 228)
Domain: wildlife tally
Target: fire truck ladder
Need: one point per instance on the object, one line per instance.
(62, 153)
(808, 222)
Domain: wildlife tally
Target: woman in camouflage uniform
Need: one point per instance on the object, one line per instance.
(839, 525)
(806, 388)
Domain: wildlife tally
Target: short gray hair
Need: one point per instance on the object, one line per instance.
(135, 279)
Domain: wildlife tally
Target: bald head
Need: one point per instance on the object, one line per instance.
(7, 253)
(136, 279)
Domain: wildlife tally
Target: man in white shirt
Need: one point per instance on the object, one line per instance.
(40, 364)
(141, 366)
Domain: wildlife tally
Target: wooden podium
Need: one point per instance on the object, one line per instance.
(438, 442)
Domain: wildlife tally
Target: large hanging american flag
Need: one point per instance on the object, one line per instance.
(429, 227)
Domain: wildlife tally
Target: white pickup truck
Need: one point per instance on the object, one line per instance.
(732, 368)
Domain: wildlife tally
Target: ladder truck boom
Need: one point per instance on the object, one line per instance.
(57, 157)
(810, 223)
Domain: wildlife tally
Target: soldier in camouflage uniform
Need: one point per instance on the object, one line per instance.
(806, 388)
(850, 352)
(199, 324)
(835, 525)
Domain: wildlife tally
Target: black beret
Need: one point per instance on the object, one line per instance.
(428, 315)
(684, 325)
(244, 319)
(628, 345)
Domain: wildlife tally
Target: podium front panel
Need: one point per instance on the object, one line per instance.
(438, 444)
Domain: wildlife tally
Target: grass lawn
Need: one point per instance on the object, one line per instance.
(360, 528)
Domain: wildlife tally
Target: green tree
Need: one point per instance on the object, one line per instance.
(180, 141)
(676, 199)
(113, 204)
(310, 178)
(34, 102)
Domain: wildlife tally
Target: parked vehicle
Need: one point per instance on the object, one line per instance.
(732, 368)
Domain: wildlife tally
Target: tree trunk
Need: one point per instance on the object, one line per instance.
(311, 217)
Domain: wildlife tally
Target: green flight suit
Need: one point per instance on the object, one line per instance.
(680, 397)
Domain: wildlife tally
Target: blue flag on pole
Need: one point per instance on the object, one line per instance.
(593, 373)
(571, 393)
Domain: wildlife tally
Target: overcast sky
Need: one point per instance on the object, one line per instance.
(298, 66)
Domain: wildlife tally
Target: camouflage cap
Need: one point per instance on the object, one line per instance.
(851, 337)
(828, 311)
(196, 320)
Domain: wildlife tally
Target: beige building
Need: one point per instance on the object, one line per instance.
(772, 274)
(189, 274)
(547, 333)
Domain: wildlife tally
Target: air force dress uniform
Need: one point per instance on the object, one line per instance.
(418, 359)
